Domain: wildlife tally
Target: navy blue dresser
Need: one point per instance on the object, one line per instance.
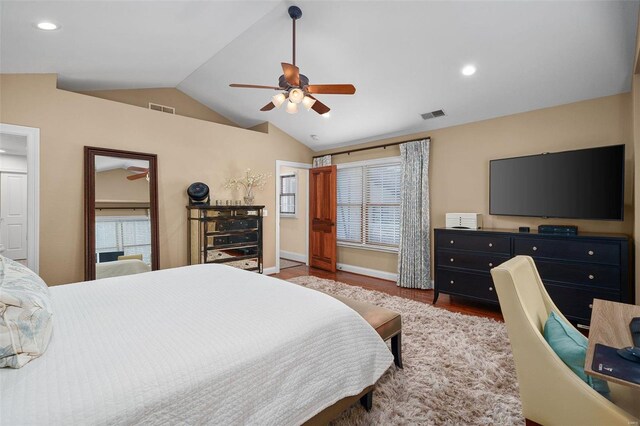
(574, 269)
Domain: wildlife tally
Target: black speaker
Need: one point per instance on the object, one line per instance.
(558, 229)
(198, 193)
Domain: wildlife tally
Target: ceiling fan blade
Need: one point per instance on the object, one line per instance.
(137, 169)
(138, 176)
(319, 107)
(268, 107)
(254, 86)
(331, 89)
(291, 74)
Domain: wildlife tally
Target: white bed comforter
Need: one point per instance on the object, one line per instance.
(206, 344)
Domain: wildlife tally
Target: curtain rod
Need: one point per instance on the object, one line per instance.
(372, 147)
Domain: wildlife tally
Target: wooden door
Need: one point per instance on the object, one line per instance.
(13, 215)
(322, 218)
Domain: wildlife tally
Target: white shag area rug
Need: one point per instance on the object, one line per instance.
(458, 369)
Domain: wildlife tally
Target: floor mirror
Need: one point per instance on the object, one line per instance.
(121, 212)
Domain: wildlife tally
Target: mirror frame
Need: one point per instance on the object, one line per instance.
(90, 154)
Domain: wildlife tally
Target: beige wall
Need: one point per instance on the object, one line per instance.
(188, 150)
(184, 104)
(293, 230)
(636, 136)
(113, 186)
(459, 168)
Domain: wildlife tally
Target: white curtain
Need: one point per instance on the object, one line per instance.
(414, 254)
(325, 160)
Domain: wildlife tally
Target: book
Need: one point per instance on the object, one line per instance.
(607, 361)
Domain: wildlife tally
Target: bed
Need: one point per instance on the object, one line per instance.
(122, 267)
(204, 344)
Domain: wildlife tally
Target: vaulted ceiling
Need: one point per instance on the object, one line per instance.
(403, 57)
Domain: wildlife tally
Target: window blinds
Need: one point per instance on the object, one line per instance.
(369, 205)
(349, 214)
(288, 188)
(382, 205)
(129, 234)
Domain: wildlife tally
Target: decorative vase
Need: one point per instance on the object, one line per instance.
(248, 197)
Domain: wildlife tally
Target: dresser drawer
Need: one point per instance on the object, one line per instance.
(466, 260)
(465, 284)
(584, 251)
(230, 225)
(580, 273)
(249, 237)
(484, 243)
(576, 302)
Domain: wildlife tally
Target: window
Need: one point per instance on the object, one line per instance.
(288, 189)
(130, 234)
(369, 204)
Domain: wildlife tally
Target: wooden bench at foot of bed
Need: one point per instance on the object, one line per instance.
(388, 324)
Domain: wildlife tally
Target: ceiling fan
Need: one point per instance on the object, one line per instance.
(295, 87)
(140, 172)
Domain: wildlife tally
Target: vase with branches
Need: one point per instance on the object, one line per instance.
(250, 182)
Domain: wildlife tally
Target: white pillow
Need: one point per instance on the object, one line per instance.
(25, 314)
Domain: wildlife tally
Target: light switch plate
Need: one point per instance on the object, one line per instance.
(265, 213)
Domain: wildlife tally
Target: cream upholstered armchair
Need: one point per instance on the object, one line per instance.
(551, 393)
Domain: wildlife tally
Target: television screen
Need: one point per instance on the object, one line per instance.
(582, 184)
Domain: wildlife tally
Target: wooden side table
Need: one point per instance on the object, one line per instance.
(610, 326)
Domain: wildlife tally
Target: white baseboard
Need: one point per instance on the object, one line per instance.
(269, 271)
(298, 257)
(369, 272)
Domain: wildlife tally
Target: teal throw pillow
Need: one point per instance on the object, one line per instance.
(571, 346)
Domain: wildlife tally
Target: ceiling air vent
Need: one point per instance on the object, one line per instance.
(432, 114)
(162, 108)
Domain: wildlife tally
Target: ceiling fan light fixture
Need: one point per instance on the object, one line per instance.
(296, 96)
(292, 108)
(278, 99)
(308, 102)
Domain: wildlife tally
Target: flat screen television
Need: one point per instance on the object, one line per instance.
(581, 184)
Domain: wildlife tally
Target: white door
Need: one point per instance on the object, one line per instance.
(13, 215)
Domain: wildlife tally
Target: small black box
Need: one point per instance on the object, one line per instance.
(524, 229)
(558, 229)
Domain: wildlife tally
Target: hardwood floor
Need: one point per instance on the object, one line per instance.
(445, 301)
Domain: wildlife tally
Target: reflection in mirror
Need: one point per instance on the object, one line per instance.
(124, 214)
(13, 198)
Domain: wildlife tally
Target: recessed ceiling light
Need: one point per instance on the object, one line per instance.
(326, 115)
(468, 70)
(47, 26)
(2, 150)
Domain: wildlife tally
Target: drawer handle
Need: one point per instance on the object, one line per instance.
(590, 306)
(451, 259)
(490, 288)
(452, 281)
(590, 252)
(490, 264)
(535, 248)
(591, 277)
(451, 242)
(490, 244)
